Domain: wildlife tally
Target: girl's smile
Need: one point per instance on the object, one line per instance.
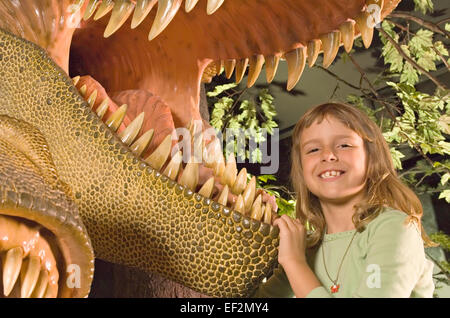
(334, 160)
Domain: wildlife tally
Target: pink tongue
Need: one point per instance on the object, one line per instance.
(157, 113)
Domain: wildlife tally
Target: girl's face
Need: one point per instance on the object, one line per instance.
(334, 161)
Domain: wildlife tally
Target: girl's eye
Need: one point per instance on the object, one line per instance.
(345, 145)
(312, 150)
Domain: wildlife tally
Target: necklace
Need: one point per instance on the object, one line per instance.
(335, 287)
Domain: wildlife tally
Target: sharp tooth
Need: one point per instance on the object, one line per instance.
(256, 63)
(348, 34)
(296, 63)
(268, 214)
(30, 277)
(207, 188)
(198, 146)
(119, 15)
(366, 31)
(313, 51)
(229, 175)
(219, 168)
(116, 119)
(239, 205)
(75, 80)
(139, 146)
(240, 183)
(41, 285)
(257, 211)
(213, 5)
(103, 9)
(213, 153)
(330, 46)
(166, 12)
(271, 67)
(223, 198)
(142, 9)
(229, 67)
(83, 90)
(249, 194)
(92, 98)
(159, 156)
(189, 177)
(102, 108)
(190, 4)
(90, 9)
(174, 166)
(128, 134)
(241, 66)
(11, 268)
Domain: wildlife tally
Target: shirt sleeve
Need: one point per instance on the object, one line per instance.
(395, 257)
(276, 286)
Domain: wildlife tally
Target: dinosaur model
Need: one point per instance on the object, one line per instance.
(82, 177)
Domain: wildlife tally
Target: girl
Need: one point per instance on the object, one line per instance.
(365, 238)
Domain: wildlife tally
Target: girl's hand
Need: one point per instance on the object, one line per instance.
(292, 241)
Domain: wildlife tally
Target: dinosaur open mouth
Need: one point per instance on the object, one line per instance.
(170, 50)
(144, 83)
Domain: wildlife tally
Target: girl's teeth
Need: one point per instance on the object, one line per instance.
(329, 174)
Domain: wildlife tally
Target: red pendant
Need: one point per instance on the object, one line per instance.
(334, 288)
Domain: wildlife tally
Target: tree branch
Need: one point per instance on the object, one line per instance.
(411, 61)
(338, 78)
(427, 24)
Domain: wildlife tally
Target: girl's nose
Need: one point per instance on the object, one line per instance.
(328, 155)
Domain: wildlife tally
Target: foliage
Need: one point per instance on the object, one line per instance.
(285, 206)
(253, 117)
(415, 123)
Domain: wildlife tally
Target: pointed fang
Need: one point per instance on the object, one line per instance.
(271, 67)
(240, 183)
(30, 277)
(140, 145)
(129, 134)
(241, 67)
(207, 188)
(223, 198)
(119, 15)
(189, 5)
(256, 63)
(296, 63)
(213, 5)
(348, 34)
(313, 51)
(166, 12)
(11, 269)
(116, 119)
(330, 46)
(174, 166)
(229, 67)
(190, 175)
(142, 9)
(160, 155)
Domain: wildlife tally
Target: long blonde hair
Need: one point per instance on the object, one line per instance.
(383, 187)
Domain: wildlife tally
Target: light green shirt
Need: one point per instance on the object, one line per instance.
(387, 259)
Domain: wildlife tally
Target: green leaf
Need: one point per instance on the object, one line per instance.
(420, 42)
(396, 158)
(219, 89)
(423, 6)
(445, 195)
(445, 178)
(266, 177)
(409, 74)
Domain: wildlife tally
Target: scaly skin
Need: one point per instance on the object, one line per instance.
(134, 215)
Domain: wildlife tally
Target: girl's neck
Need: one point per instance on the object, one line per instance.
(338, 215)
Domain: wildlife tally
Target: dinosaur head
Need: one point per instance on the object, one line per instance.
(199, 224)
